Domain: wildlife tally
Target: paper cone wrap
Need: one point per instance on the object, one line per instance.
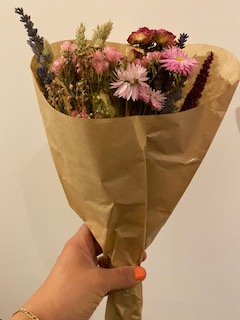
(124, 176)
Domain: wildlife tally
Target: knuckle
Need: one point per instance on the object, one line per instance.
(127, 277)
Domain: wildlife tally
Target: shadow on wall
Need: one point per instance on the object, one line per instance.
(51, 219)
(238, 118)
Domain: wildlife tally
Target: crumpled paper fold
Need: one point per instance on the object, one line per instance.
(124, 176)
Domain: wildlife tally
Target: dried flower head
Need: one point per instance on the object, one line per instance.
(129, 81)
(94, 80)
(175, 60)
(164, 38)
(100, 34)
(81, 41)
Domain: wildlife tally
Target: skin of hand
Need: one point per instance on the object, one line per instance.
(77, 284)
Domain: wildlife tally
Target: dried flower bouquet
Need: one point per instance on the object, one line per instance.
(135, 122)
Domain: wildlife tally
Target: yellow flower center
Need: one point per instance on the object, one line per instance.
(179, 59)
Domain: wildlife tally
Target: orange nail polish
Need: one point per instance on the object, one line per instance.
(139, 273)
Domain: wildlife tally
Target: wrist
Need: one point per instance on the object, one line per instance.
(23, 313)
(38, 307)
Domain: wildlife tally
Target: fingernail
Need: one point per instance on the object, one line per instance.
(139, 273)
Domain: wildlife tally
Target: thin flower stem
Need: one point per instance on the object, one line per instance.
(145, 109)
(127, 111)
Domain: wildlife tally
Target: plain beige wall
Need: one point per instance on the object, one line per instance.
(194, 263)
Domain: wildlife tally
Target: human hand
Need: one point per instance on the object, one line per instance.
(76, 285)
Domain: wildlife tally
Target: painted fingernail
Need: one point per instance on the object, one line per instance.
(139, 273)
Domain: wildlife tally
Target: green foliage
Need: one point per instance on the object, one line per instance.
(80, 36)
(101, 34)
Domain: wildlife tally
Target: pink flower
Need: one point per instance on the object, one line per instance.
(84, 114)
(74, 59)
(153, 56)
(81, 114)
(153, 97)
(129, 81)
(99, 62)
(140, 62)
(68, 46)
(164, 38)
(58, 65)
(143, 36)
(175, 60)
(112, 55)
(74, 113)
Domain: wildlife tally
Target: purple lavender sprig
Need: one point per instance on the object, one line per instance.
(194, 95)
(35, 41)
(45, 76)
(182, 40)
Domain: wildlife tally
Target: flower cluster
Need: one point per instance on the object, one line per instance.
(148, 39)
(91, 79)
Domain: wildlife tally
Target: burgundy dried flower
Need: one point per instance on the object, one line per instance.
(164, 38)
(141, 37)
(194, 95)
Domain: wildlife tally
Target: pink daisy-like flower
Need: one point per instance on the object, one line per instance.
(153, 97)
(175, 60)
(129, 81)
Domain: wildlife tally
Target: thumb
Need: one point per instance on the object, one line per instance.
(124, 277)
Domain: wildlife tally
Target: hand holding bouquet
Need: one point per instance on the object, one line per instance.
(135, 122)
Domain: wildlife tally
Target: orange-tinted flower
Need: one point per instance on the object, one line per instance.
(141, 37)
(164, 38)
(133, 55)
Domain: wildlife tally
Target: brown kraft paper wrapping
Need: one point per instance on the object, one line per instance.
(124, 176)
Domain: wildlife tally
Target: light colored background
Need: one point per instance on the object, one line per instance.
(194, 263)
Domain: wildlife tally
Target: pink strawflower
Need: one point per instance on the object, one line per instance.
(175, 60)
(99, 62)
(139, 62)
(58, 65)
(112, 55)
(68, 46)
(74, 59)
(81, 114)
(143, 36)
(84, 114)
(129, 81)
(153, 97)
(153, 56)
(74, 113)
(164, 38)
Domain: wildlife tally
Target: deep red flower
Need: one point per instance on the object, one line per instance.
(142, 37)
(164, 38)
